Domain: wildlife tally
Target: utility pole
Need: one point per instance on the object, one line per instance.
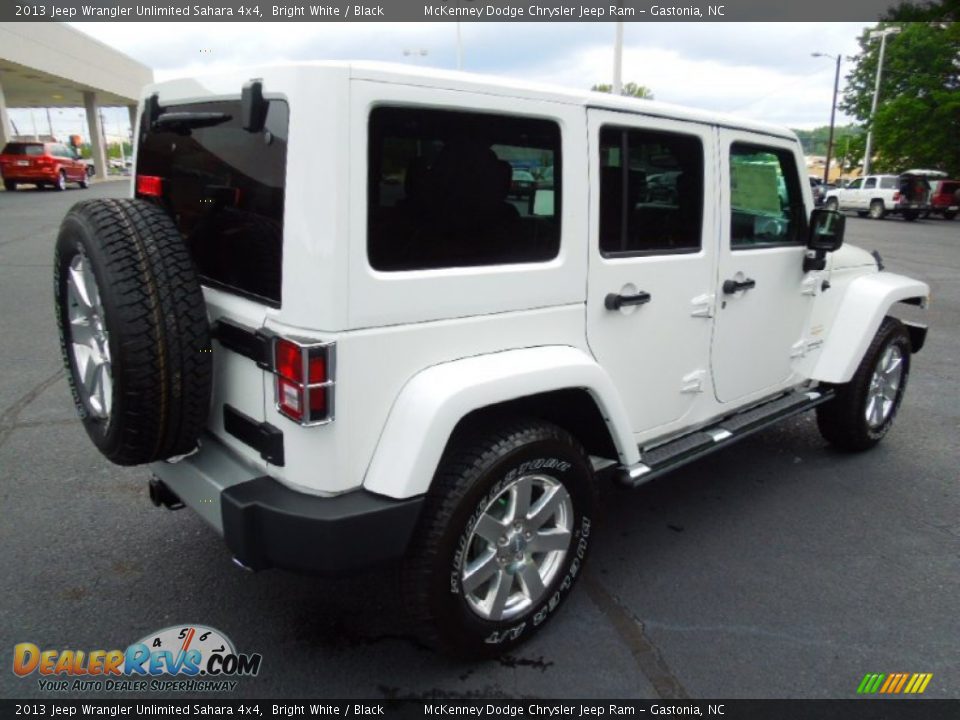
(882, 34)
(618, 61)
(833, 114)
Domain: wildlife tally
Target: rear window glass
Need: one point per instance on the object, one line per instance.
(224, 188)
(458, 189)
(21, 149)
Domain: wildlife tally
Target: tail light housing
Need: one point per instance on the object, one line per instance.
(304, 380)
(896, 196)
(149, 186)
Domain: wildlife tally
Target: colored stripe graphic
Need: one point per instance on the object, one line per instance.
(894, 683)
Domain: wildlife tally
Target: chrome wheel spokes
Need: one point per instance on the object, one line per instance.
(517, 546)
(89, 339)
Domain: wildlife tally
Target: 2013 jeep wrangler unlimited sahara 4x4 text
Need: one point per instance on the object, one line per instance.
(332, 332)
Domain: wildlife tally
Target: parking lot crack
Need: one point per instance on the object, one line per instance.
(8, 420)
(630, 628)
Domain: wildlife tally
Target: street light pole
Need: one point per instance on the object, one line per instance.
(618, 61)
(882, 34)
(833, 114)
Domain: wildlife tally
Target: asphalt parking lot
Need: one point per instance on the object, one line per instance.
(778, 568)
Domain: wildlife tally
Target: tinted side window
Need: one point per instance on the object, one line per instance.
(855, 185)
(766, 203)
(870, 183)
(651, 191)
(443, 190)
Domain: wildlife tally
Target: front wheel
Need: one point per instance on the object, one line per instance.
(864, 408)
(503, 538)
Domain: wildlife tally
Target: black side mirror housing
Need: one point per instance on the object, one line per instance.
(253, 108)
(826, 230)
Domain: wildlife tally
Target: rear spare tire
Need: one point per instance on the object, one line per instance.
(133, 330)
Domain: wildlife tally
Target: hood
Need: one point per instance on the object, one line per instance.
(850, 256)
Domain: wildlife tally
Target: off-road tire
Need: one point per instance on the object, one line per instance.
(155, 317)
(877, 211)
(842, 420)
(472, 473)
(9, 185)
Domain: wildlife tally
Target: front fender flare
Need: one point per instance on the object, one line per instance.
(432, 403)
(866, 301)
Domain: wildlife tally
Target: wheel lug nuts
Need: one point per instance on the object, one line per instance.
(518, 526)
(528, 535)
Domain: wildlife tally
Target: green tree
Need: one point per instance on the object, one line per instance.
(630, 89)
(917, 123)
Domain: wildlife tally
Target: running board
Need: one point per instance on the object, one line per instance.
(669, 456)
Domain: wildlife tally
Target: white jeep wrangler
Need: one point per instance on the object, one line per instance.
(334, 332)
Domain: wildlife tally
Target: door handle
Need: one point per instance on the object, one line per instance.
(615, 301)
(732, 286)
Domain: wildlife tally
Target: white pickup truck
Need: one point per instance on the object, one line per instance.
(882, 195)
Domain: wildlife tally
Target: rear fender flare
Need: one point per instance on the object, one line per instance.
(432, 403)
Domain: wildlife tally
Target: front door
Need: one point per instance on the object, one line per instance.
(652, 263)
(763, 303)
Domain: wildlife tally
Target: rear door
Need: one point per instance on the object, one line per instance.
(652, 263)
(225, 189)
(763, 303)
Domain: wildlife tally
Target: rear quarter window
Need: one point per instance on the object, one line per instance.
(459, 189)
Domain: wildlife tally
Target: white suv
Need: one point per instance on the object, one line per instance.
(334, 333)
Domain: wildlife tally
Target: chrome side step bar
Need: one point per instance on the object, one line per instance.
(661, 459)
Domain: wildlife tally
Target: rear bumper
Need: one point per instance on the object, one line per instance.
(28, 175)
(267, 524)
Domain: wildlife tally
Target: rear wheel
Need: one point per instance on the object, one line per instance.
(864, 408)
(61, 183)
(9, 185)
(503, 537)
(133, 330)
(877, 211)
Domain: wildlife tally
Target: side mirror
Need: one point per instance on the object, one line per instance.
(826, 230)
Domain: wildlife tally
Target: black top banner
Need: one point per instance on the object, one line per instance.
(444, 10)
(489, 709)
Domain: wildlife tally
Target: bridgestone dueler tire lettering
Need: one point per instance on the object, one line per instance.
(841, 421)
(159, 336)
(472, 472)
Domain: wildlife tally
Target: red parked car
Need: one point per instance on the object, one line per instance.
(41, 164)
(945, 198)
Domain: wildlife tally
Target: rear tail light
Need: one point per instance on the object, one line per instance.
(45, 161)
(304, 380)
(149, 186)
(896, 196)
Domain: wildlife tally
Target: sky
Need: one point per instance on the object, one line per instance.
(762, 71)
